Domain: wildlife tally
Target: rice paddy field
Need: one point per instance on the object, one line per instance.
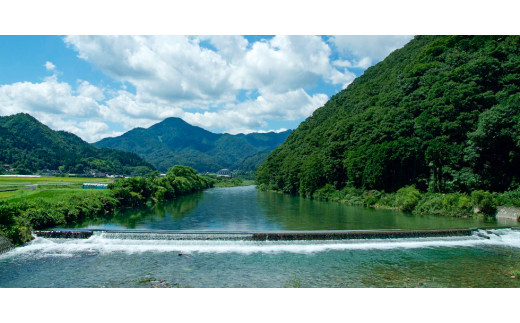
(13, 188)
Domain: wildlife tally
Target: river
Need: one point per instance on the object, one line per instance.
(108, 261)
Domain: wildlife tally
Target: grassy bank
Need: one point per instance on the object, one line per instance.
(17, 187)
(55, 207)
(232, 182)
(409, 199)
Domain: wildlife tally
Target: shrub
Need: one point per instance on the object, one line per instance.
(370, 200)
(325, 193)
(464, 202)
(484, 202)
(407, 198)
(430, 204)
(510, 198)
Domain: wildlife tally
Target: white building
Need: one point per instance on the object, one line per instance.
(224, 173)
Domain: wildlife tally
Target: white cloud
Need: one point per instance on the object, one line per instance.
(54, 104)
(85, 89)
(368, 48)
(264, 131)
(178, 69)
(286, 63)
(363, 63)
(197, 79)
(174, 74)
(129, 110)
(90, 131)
(253, 114)
(171, 68)
(49, 96)
(49, 66)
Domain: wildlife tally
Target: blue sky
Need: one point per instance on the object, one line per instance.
(101, 86)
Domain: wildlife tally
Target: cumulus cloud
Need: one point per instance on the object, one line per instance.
(174, 74)
(53, 102)
(286, 63)
(363, 63)
(49, 66)
(171, 68)
(177, 68)
(196, 78)
(90, 131)
(49, 96)
(85, 89)
(252, 114)
(368, 49)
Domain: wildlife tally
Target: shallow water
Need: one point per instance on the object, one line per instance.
(104, 260)
(424, 262)
(249, 209)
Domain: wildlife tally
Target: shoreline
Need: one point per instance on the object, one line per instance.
(505, 205)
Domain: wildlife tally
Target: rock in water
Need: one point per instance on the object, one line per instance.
(5, 245)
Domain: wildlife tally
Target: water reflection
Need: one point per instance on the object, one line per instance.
(137, 217)
(248, 209)
(298, 213)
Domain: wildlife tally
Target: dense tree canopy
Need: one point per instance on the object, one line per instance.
(29, 146)
(442, 113)
(175, 142)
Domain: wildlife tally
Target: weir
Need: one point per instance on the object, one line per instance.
(67, 234)
(254, 236)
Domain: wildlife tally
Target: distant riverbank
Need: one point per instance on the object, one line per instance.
(409, 199)
(20, 216)
(232, 182)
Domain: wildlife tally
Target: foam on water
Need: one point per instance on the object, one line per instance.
(98, 244)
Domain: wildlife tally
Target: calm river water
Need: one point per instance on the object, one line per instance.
(112, 262)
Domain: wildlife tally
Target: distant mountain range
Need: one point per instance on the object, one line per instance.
(175, 142)
(29, 146)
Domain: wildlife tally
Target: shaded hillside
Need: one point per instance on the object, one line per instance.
(175, 142)
(442, 113)
(250, 164)
(30, 146)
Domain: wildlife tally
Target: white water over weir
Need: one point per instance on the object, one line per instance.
(176, 236)
(259, 236)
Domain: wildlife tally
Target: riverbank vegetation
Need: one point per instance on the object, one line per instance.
(411, 200)
(58, 207)
(441, 114)
(232, 182)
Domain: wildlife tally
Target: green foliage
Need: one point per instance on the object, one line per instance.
(70, 206)
(407, 198)
(174, 141)
(484, 201)
(452, 204)
(230, 182)
(442, 113)
(29, 147)
(326, 192)
(179, 180)
(510, 198)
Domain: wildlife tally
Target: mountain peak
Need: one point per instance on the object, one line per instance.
(174, 141)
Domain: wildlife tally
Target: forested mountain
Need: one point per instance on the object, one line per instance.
(442, 113)
(30, 146)
(175, 142)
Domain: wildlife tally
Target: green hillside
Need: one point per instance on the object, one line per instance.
(175, 142)
(29, 146)
(442, 113)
